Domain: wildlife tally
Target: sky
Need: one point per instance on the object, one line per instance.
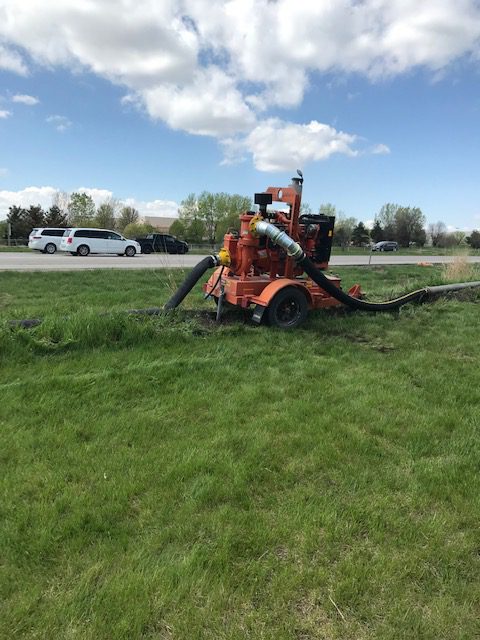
(149, 100)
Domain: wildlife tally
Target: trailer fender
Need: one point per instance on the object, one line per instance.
(262, 301)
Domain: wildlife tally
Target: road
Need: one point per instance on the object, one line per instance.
(60, 262)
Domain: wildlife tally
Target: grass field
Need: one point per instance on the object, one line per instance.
(166, 478)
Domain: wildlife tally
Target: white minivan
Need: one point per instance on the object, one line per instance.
(81, 242)
(46, 239)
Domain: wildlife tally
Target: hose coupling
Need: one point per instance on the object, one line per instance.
(279, 237)
(223, 258)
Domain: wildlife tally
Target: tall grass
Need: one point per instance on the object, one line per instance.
(459, 270)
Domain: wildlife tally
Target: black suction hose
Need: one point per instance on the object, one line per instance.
(327, 285)
(190, 281)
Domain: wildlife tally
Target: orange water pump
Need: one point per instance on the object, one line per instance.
(257, 270)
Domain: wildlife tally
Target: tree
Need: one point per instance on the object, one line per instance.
(360, 235)
(61, 199)
(460, 236)
(195, 232)
(387, 219)
(136, 229)
(34, 217)
(128, 215)
(216, 207)
(3, 229)
(377, 232)
(305, 209)
(17, 217)
(178, 229)
(437, 231)
(211, 214)
(343, 230)
(193, 227)
(188, 209)
(329, 209)
(81, 210)
(105, 217)
(474, 239)
(55, 217)
(409, 222)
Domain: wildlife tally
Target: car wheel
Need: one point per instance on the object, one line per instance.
(130, 251)
(147, 250)
(50, 248)
(83, 250)
(288, 308)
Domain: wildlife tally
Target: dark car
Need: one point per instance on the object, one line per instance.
(385, 245)
(162, 242)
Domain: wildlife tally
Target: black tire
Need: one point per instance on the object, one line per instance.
(83, 250)
(50, 248)
(147, 250)
(288, 309)
(130, 251)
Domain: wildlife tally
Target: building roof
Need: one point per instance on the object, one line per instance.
(159, 222)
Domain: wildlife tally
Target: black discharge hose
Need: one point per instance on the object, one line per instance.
(295, 250)
(327, 285)
(190, 281)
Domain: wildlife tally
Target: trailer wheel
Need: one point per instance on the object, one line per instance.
(288, 308)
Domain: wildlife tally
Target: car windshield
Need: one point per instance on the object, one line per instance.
(149, 236)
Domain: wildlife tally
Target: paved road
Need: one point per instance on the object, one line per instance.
(61, 262)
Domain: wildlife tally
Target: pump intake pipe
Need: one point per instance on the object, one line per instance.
(217, 260)
(293, 249)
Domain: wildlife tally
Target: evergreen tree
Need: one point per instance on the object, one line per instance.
(55, 217)
(377, 232)
(360, 235)
(35, 217)
(19, 226)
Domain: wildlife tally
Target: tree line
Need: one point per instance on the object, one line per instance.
(402, 224)
(208, 216)
(203, 218)
(75, 210)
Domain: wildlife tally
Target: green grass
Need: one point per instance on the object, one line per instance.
(4, 248)
(167, 478)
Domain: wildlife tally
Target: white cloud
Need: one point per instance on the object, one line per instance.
(25, 197)
(44, 195)
(25, 99)
(155, 208)
(5, 114)
(282, 146)
(215, 67)
(210, 105)
(61, 123)
(11, 61)
(380, 149)
(97, 195)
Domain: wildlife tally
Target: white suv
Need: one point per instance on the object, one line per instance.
(81, 242)
(46, 239)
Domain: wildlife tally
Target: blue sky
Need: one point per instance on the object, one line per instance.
(383, 106)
